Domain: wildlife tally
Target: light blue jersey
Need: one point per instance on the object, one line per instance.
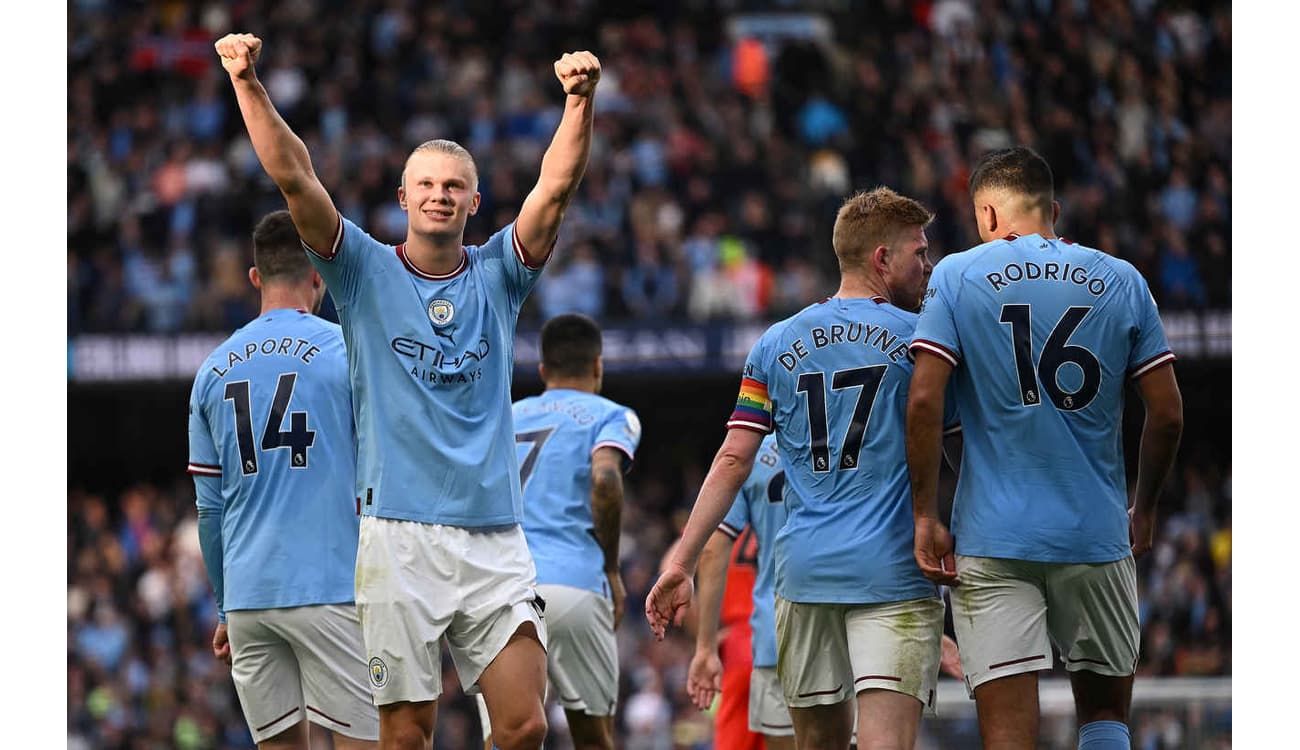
(272, 450)
(1043, 335)
(759, 506)
(431, 359)
(555, 435)
(832, 381)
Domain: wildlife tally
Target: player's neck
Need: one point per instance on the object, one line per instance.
(436, 255)
(859, 287)
(1023, 224)
(286, 298)
(586, 385)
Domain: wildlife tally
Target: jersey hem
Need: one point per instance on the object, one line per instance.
(459, 522)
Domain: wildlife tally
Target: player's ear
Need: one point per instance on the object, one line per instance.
(316, 281)
(401, 196)
(255, 278)
(541, 370)
(987, 216)
(879, 257)
(473, 205)
(1056, 211)
(598, 369)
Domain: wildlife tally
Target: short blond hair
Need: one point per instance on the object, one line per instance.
(444, 146)
(872, 218)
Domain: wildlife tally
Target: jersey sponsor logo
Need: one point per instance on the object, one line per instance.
(378, 672)
(436, 358)
(441, 312)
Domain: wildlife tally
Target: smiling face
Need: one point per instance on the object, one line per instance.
(439, 193)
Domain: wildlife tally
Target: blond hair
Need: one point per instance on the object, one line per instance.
(441, 145)
(872, 218)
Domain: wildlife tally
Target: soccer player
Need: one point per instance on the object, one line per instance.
(854, 614)
(429, 327)
(573, 448)
(759, 508)
(273, 454)
(1040, 337)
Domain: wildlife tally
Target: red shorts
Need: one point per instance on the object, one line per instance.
(731, 725)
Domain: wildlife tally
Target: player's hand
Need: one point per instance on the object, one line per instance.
(1141, 531)
(618, 594)
(704, 680)
(666, 603)
(578, 72)
(950, 660)
(933, 551)
(238, 54)
(221, 644)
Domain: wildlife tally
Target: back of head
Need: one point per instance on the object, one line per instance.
(571, 343)
(277, 251)
(872, 218)
(1018, 171)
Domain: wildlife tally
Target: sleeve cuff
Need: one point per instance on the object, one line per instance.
(1152, 364)
(939, 350)
(729, 530)
(754, 426)
(522, 254)
(334, 248)
(206, 470)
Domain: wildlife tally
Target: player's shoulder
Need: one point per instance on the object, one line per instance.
(494, 247)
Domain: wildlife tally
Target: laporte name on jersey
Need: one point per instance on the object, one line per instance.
(284, 347)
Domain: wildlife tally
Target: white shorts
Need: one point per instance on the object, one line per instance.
(828, 653)
(420, 582)
(1008, 613)
(767, 710)
(582, 652)
(301, 662)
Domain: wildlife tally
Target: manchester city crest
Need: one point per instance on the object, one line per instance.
(441, 312)
(378, 672)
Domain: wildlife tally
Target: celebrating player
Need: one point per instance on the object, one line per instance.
(1040, 337)
(832, 381)
(273, 455)
(573, 447)
(429, 327)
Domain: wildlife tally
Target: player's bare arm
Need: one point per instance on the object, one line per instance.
(282, 153)
(932, 542)
(606, 515)
(1161, 433)
(704, 678)
(565, 161)
(730, 469)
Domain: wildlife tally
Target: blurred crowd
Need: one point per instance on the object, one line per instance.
(141, 674)
(725, 140)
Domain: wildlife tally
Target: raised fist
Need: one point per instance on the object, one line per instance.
(238, 53)
(578, 72)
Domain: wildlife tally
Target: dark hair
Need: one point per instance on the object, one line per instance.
(277, 250)
(570, 343)
(1019, 169)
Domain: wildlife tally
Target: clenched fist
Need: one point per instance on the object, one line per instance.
(578, 72)
(238, 54)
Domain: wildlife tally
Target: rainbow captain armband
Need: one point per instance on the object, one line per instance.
(753, 407)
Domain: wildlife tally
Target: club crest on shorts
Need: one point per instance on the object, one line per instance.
(441, 312)
(378, 672)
